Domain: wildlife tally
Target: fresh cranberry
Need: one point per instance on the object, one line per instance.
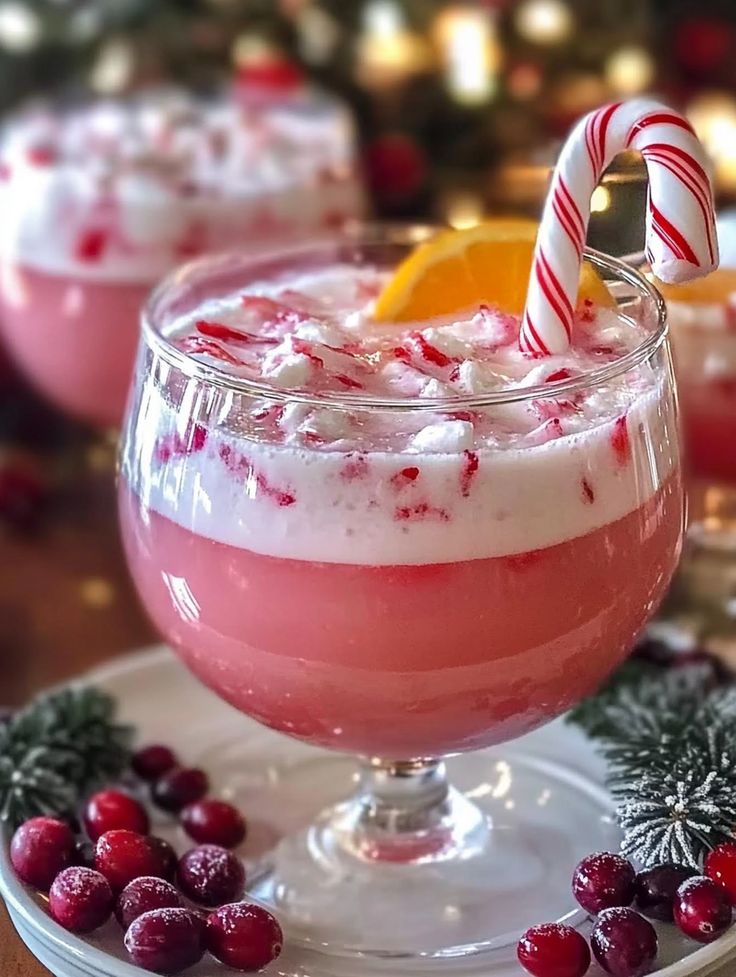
(211, 875)
(40, 849)
(152, 762)
(720, 866)
(142, 895)
(83, 854)
(110, 809)
(702, 909)
(166, 940)
(180, 787)
(214, 822)
(656, 889)
(80, 899)
(246, 937)
(603, 881)
(553, 950)
(624, 943)
(123, 855)
(168, 857)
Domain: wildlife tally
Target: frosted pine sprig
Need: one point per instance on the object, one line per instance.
(676, 820)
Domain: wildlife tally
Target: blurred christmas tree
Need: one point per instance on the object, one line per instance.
(453, 98)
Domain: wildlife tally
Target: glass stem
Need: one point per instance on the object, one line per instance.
(406, 811)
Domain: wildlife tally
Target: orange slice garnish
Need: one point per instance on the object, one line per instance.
(461, 269)
(713, 289)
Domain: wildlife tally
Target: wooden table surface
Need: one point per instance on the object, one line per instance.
(66, 602)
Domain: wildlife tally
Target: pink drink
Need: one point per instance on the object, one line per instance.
(73, 338)
(405, 660)
(390, 583)
(98, 203)
(704, 340)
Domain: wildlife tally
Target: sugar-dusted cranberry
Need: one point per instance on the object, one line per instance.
(80, 899)
(83, 854)
(553, 950)
(211, 875)
(603, 881)
(656, 889)
(247, 937)
(702, 909)
(166, 941)
(40, 849)
(180, 787)
(720, 866)
(110, 809)
(624, 943)
(152, 762)
(169, 860)
(142, 895)
(214, 822)
(123, 855)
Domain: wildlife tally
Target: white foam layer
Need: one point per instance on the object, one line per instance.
(382, 508)
(125, 191)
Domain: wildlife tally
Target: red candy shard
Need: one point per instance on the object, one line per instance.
(91, 244)
(218, 330)
(41, 155)
(405, 477)
(348, 382)
(469, 471)
(429, 352)
(420, 511)
(241, 465)
(561, 374)
(587, 489)
(179, 446)
(197, 344)
(620, 440)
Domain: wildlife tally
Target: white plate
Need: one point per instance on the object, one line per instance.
(157, 694)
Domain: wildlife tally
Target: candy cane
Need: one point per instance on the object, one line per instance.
(680, 223)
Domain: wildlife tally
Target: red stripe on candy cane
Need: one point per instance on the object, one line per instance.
(656, 119)
(570, 200)
(681, 242)
(682, 177)
(675, 238)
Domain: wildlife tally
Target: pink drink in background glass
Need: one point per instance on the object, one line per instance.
(394, 584)
(99, 202)
(704, 341)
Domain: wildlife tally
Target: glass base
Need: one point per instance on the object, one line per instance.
(457, 875)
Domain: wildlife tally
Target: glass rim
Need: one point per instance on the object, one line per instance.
(367, 234)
